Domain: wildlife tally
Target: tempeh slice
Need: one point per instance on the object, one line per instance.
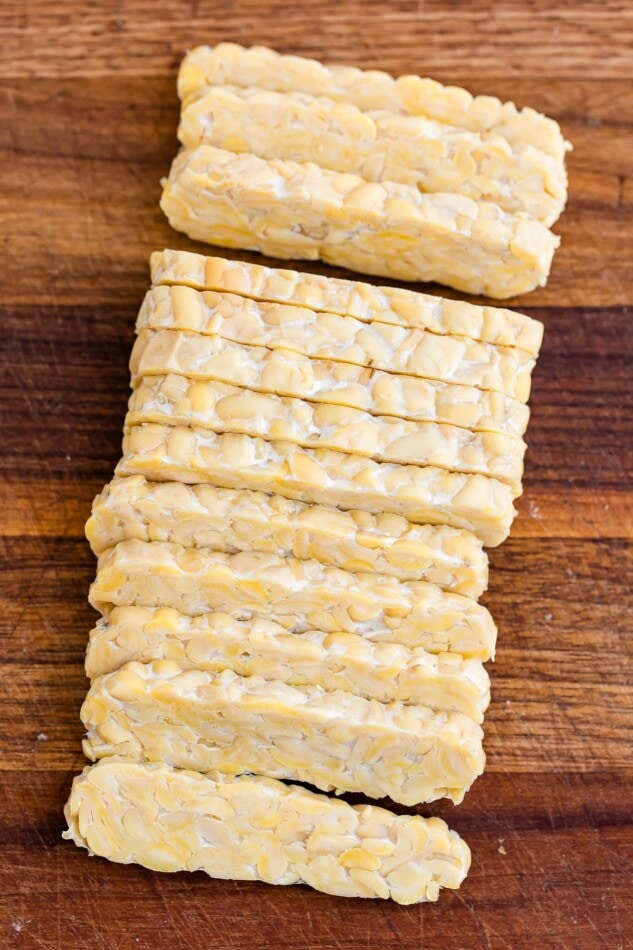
(176, 400)
(386, 229)
(204, 721)
(421, 495)
(367, 89)
(378, 146)
(298, 594)
(351, 298)
(223, 519)
(251, 828)
(329, 336)
(287, 373)
(259, 647)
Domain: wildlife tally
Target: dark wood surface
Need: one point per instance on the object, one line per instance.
(87, 127)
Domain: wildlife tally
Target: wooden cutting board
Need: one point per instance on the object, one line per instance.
(88, 113)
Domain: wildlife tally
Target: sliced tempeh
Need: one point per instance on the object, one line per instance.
(223, 519)
(378, 146)
(421, 495)
(397, 305)
(367, 89)
(259, 647)
(300, 595)
(200, 720)
(386, 229)
(329, 336)
(176, 400)
(287, 373)
(251, 828)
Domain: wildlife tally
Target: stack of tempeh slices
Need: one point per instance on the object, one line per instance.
(403, 178)
(290, 557)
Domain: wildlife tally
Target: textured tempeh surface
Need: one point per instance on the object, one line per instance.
(205, 721)
(396, 305)
(251, 828)
(549, 823)
(385, 229)
(259, 647)
(239, 520)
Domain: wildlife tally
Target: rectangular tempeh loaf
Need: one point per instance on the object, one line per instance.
(204, 721)
(232, 520)
(287, 373)
(351, 298)
(175, 400)
(229, 63)
(378, 146)
(259, 647)
(256, 829)
(421, 495)
(297, 594)
(391, 348)
(386, 229)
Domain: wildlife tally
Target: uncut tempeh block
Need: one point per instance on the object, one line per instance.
(256, 829)
(298, 594)
(329, 336)
(175, 400)
(204, 721)
(352, 298)
(260, 647)
(421, 495)
(378, 146)
(367, 89)
(386, 229)
(287, 373)
(232, 520)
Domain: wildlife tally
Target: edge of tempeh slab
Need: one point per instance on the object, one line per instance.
(333, 740)
(421, 495)
(260, 647)
(232, 520)
(367, 89)
(365, 302)
(377, 345)
(171, 820)
(208, 404)
(385, 229)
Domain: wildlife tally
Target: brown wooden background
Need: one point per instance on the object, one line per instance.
(88, 114)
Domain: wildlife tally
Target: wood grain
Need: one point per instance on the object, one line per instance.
(88, 113)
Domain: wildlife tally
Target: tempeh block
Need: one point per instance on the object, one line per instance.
(259, 647)
(176, 400)
(328, 336)
(287, 373)
(230, 520)
(204, 721)
(298, 594)
(386, 229)
(351, 298)
(378, 146)
(421, 495)
(251, 828)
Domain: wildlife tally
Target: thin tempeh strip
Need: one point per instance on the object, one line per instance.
(367, 89)
(421, 495)
(286, 373)
(397, 305)
(385, 229)
(250, 828)
(204, 721)
(297, 594)
(378, 146)
(229, 520)
(348, 661)
(341, 339)
(176, 400)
